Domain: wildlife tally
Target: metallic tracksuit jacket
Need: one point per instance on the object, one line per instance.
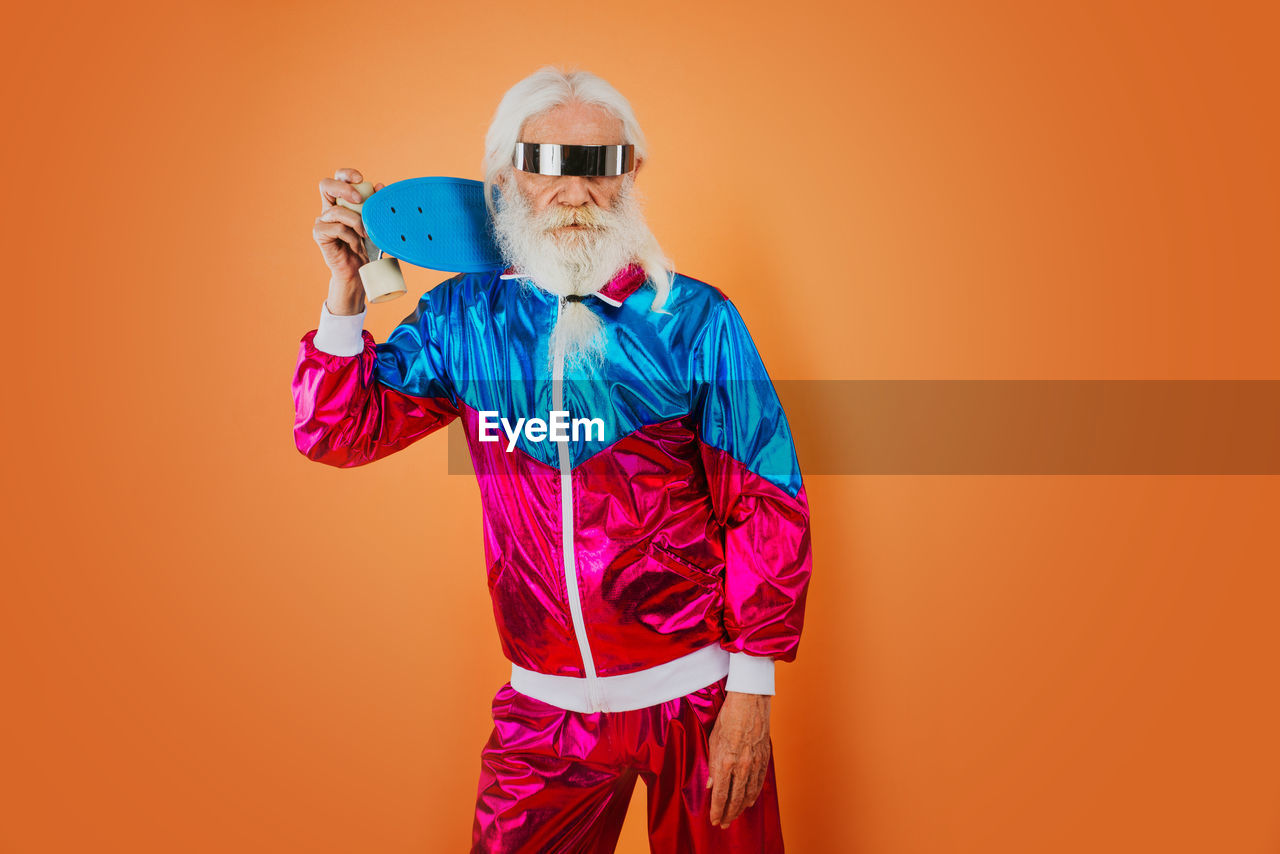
(627, 568)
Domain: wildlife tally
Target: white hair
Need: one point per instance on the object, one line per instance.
(545, 89)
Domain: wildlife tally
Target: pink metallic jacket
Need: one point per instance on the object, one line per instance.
(658, 548)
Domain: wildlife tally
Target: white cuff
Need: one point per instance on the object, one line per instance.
(750, 674)
(340, 334)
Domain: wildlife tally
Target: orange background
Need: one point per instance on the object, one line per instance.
(211, 644)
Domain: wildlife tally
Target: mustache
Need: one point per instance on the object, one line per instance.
(559, 216)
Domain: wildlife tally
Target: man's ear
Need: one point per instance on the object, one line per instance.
(639, 163)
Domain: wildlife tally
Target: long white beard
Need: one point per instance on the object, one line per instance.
(580, 261)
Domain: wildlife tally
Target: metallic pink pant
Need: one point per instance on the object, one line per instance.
(555, 781)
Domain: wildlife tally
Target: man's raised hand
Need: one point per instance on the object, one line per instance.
(340, 234)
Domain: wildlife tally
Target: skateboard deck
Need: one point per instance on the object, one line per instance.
(438, 222)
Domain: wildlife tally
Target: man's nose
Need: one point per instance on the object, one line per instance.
(573, 191)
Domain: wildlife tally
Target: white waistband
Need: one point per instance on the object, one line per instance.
(647, 687)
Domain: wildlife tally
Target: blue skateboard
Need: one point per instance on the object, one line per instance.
(439, 223)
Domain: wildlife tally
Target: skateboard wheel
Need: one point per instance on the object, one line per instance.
(382, 279)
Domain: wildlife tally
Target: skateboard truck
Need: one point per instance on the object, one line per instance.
(382, 278)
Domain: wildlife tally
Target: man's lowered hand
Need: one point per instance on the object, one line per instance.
(739, 747)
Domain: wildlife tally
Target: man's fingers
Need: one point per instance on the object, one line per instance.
(331, 189)
(337, 231)
(337, 213)
(753, 791)
(726, 810)
(744, 787)
(752, 784)
(719, 794)
(739, 791)
(351, 176)
(378, 186)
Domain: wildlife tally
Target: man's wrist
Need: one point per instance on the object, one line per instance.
(345, 297)
(750, 674)
(338, 308)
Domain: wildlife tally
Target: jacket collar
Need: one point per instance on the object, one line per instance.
(626, 282)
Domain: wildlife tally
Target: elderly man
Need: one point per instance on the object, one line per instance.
(646, 570)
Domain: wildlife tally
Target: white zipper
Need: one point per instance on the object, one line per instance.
(594, 699)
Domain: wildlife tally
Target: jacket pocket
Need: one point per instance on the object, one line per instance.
(682, 566)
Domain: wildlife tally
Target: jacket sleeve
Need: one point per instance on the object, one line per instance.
(356, 401)
(759, 500)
